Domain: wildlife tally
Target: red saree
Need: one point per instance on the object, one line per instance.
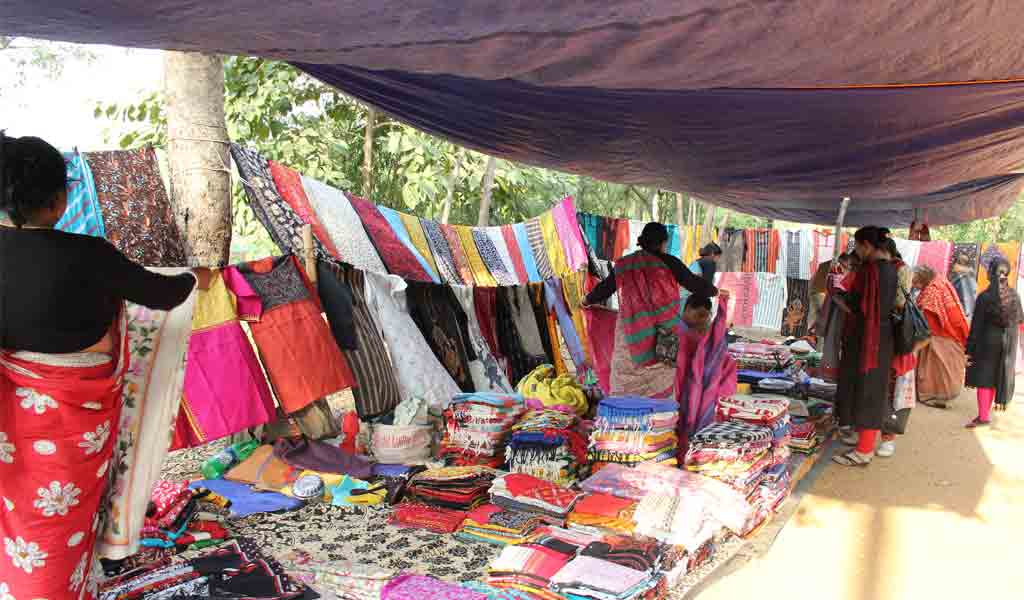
(57, 417)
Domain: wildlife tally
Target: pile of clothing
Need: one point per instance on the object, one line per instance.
(343, 579)
(599, 514)
(438, 499)
(803, 436)
(764, 411)
(587, 576)
(757, 356)
(176, 518)
(544, 388)
(496, 525)
(477, 427)
(535, 496)
(530, 567)
(235, 569)
(632, 430)
(733, 452)
(768, 497)
(416, 515)
(548, 445)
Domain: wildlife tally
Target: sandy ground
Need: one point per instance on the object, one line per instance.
(942, 519)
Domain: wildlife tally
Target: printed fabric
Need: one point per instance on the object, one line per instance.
(968, 252)
(553, 243)
(648, 299)
(526, 252)
(57, 420)
(501, 271)
(418, 237)
(556, 304)
(342, 225)
(446, 266)
(743, 288)
(398, 224)
(396, 255)
(451, 234)
(280, 221)
(301, 358)
(771, 301)
(705, 372)
(481, 273)
(444, 325)
(416, 367)
(935, 255)
(289, 186)
(796, 316)
(734, 249)
(1007, 250)
(83, 214)
(535, 235)
(487, 374)
(419, 587)
(157, 343)
(137, 216)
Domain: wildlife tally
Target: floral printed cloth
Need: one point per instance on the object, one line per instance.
(137, 215)
(419, 587)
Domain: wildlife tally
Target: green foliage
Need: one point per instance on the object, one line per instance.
(21, 56)
(1006, 228)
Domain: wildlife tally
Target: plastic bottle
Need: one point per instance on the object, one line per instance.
(215, 466)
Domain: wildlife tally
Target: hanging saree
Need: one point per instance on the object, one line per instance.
(515, 257)
(445, 326)
(443, 257)
(486, 372)
(795, 317)
(556, 305)
(289, 185)
(704, 373)
(418, 237)
(83, 214)
(504, 256)
(500, 271)
(1007, 250)
(568, 231)
(57, 414)
(526, 252)
(398, 226)
(396, 255)
(157, 345)
(451, 235)
(535, 235)
(553, 243)
(343, 225)
(935, 255)
(481, 273)
(734, 249)
(601, 336)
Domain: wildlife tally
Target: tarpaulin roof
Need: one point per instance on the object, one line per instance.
(775, 108)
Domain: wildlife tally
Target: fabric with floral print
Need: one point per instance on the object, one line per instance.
(342, 223)
(157, 345)
(137, 216)
(56, 441)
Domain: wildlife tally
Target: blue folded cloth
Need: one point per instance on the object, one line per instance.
(246, 501)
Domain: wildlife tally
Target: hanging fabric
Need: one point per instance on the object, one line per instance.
(445, 326)
(486, 371)
(519, 338)
(446, 265)
(935, 255)
(342, 225)
(564, 214)
(225, 390)
(514, 242)
(158, 342)
(1007, 250)
(555, 298)
(451, 234)
(83, 215)
(734, 248)
(376, 392)
(300, 356)
(419, 239)
(909, 250)
(796, 317)
(771, 301)
(398, 226)
(137, 216)
(491, 245)
(397, 256)
(485, 302)
(743, 288)
(417, 370)
(481, 272)
(553, 243)
(289, 185)
(535, 235)
(622, 240)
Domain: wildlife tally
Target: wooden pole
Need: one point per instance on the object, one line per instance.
(839, 227)
(308, 252)
(484, 216)
(654, 204)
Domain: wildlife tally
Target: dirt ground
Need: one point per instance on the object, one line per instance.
(944, 518)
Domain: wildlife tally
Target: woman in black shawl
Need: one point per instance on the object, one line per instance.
(992, 343)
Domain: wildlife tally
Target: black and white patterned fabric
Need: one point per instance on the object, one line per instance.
(731, 433)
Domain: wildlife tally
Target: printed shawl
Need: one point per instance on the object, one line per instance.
(398, 225)
(481, 273)
(418, 237)
(535, 235)
(395, 254)
(289, 185)
(941, 306)
(443, 257)
(648, 297)
(451, 235)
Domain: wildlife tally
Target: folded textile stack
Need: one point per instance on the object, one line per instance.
(733, 452)
(631, 430)
(819, 388)
(591, 577)
(600, 513)
(529, 568)
(497, 525)
(635, 552)
(343, 579)
(176, 518)
(676, 520)
(477, 427)
(458, 488)
(803, 436)
(760, 356)
(765, 411)
(529, 494)
(414, 515)
(546, 444)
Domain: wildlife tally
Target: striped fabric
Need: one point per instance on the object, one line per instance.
(771, 301)
(289, 185)
(496, 234)
(500, 271)
(458, 253)
(481, 274)
(535, 235)
(419, 239)
(648, 297)
(514, 254)
(553, 244)
(83, 215)
(394, 219)
(526, 252)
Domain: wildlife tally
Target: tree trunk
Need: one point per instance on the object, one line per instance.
(654, 204)
(484, 216)
(691, 218)
(452, 179)
(371, 123)
(197, 155)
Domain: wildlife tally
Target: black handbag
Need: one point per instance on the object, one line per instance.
(909, 327)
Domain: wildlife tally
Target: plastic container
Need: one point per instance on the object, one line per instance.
(216, 466)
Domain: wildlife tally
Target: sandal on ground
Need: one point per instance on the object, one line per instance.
(977, 422)
(850, 438)
(851, 459)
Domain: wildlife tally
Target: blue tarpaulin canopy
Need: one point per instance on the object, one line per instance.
(776, 108)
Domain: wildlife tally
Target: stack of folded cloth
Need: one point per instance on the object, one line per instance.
(676, 521)
(529, 568)
(760, 356)
(496, 525)
(415, 515)
(590, 577)
(529, 494)
(601, 513)
(632, 430)
(765, 411)
(458, 488)
(803, 437)
(342, 579)
(175, 518)
(733, 452)
(819, 388)
(635, 552)
(477, 427)
(547, 444)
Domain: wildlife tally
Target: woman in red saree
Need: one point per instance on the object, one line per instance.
(63, 355)
(941, 364)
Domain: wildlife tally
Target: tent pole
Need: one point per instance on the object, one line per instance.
(308, 253)
(839, 227)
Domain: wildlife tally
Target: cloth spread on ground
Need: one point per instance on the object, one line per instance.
(83, 214)
(321, 456)
(137, 216)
